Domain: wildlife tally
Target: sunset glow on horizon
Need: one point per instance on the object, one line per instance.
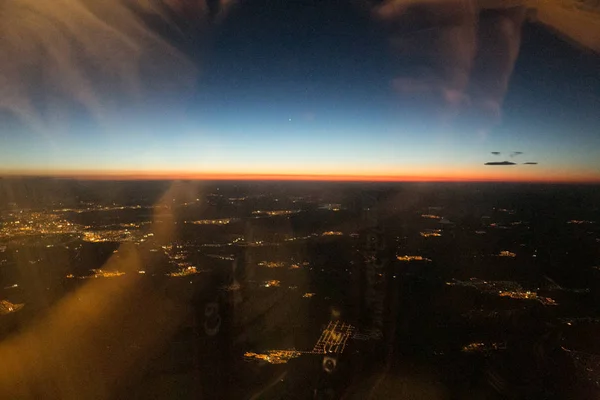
(266, 176)
(275, 101)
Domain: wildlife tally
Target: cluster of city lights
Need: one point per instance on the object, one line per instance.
(431, 233)
(183, 272)
(273, 356)
(431, 216)
(276, 213)
(98, 273)
(480, 347)
(412, 258)
(271, 283)
(508, 289)
(6, 307)
(222, 221)
(506, 253)
(332, 233)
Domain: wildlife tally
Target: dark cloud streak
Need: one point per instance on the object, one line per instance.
(500, 163)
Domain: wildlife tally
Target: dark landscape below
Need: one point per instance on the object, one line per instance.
(294, 290)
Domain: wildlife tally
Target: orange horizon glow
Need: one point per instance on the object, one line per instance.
(449, 176)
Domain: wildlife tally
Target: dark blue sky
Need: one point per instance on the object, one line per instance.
(308, 88)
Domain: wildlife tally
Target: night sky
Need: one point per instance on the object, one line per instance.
(298, 89)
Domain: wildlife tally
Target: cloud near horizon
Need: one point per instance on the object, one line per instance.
(500, 163)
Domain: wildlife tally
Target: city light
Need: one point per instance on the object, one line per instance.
(273, 356)
(223, 221)
(271, 283)
(479, 347)
(333, 340)
(276, 213)
(431, 233)
(431, 216)
(506, 253)
(271, 264)
(412, 258)
(508, 289)
(6, 307)
(98, 273)
(186, 271)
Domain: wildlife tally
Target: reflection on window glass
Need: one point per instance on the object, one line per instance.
(299, 199)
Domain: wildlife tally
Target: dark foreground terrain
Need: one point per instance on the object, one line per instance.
(448, 290)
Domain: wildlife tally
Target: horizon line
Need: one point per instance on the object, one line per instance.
(143, 176)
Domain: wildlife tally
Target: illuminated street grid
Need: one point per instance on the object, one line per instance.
(333, 338)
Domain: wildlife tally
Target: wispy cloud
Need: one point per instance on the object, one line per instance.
(98, 56)
(466, 61)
